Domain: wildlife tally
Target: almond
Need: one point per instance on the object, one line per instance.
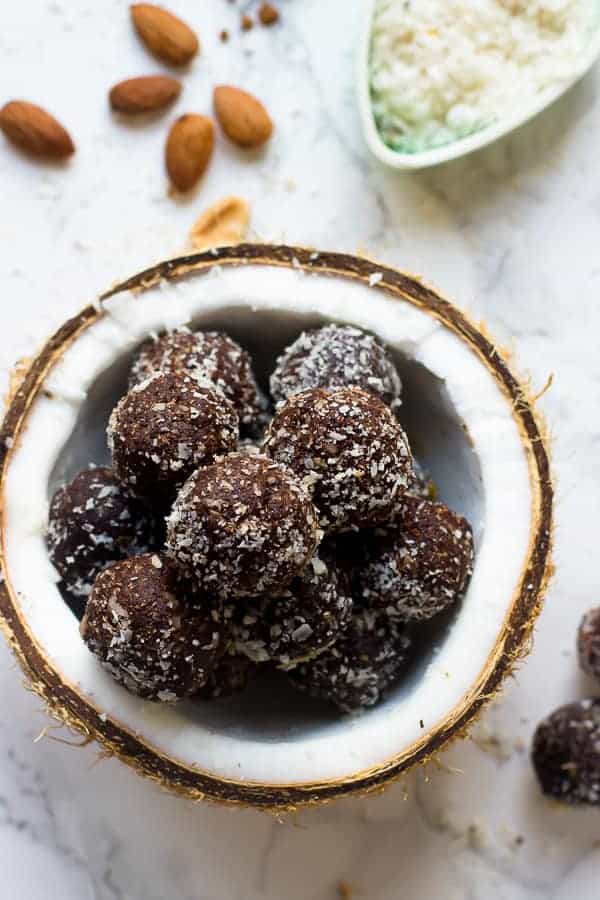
(33, 129)
(164, 34)
(223, 224)
(243, 118)
(189, 149)
(268, 14)
(144, 94)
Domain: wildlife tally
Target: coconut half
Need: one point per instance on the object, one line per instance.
(469, 422)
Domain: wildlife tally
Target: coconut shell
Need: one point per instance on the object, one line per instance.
(66, 703)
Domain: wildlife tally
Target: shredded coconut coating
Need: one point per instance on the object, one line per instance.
(300, 623)
(364, 663)
(150, 640)
(93, 522)
(348, 449)
(230, 676)
(588, 643)
(166, 427)
(209, 356)
(420, 567)
(336, 356)
(243, 527)
(566, 753)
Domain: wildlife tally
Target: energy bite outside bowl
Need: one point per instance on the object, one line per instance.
(469, 423)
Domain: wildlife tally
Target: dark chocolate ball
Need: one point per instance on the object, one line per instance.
(348, 449)
(148, 637)
(421, 566)
(299, 623)
(566, 753)
(166, 427)
(336, 356)
(360, 667)
(243, 527)
(93, 522)
(210, 356)
(588, 643)
(230, 676)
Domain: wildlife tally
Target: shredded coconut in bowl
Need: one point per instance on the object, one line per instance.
(443, 69)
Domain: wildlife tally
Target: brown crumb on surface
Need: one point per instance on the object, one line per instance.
(345, 891)
(224, 36)
(247, 23)
(268, 14)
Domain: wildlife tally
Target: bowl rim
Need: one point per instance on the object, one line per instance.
(68, 705)
(396, 159)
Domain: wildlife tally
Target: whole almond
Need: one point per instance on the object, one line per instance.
(189, 149)
(34, 130)
(164, 34)
(243, 118)
(225, 223)
(144, 94)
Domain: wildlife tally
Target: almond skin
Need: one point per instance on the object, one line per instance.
(166, 36)
(243, 118)
(189, 149)
(34, 130)
(223, 224)
(145, 94)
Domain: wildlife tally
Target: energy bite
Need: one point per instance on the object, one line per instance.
(336, 356)
(588, 643)
(348, 449)
(166, 427)
(242, 527)
(230, 676)
(419, 567)
(146, 635)
(361, 666)
(93, 522)
(299, 623)
(209, 356)
(565, 753)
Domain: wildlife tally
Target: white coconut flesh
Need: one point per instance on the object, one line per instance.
(462, 428)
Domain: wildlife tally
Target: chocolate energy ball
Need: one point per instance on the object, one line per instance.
(93, 522)
(336, 356)
(348, 449)
(145, 634)
(210, 356)
(565, 753)
(421, 566)
(243, 527)
(166, 427)
(298, 624)
(230, 676)
(588, 643)
(361, 665)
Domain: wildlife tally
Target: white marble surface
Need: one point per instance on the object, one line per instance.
(512, 233)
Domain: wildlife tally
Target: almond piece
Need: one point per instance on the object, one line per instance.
(223, 224)
(144, 94)
(243, 118)
(189, 149)
(34, 130)
(268, 14)
(164, 34)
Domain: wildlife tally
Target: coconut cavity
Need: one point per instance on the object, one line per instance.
(254, 542)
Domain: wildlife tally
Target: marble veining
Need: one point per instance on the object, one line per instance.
(510, 234)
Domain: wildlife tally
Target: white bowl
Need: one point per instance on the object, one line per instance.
(467, 418)
(423, 159)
